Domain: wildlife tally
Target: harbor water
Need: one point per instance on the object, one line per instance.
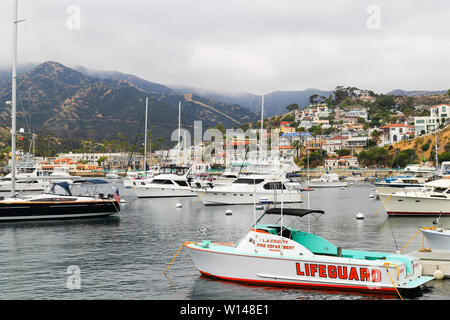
(124, 256)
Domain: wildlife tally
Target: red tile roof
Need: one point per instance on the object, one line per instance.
(397, 125)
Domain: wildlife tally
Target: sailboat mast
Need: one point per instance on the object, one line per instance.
(179, 133)
(145, 135)
(14, 101)
(262, 126)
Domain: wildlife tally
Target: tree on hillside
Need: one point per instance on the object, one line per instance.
(373, 156)
(313, 99)
(403, 158)
(385, 101)
(292, 107)
(298, 148)
(376, 136)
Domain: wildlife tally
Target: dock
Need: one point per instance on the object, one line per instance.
(433, 260)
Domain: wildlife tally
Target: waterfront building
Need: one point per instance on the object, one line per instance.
(342, 162)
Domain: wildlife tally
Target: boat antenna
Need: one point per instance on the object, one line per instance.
(393, 235)
(262, 125)
(309, 205)
(254, 202)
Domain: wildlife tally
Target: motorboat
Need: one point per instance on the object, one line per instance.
(134, 178)
(431, 200)
(327, 180)
(395, 184)
(445, 168)
(275, 254)
(437, 238)
(35, 180)
(413, 176)
(59, 202)
(170, 182)
(227, 177)
(251, 189)
(112, 175)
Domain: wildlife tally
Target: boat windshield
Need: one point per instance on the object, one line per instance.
(181, 171)
(248, 181)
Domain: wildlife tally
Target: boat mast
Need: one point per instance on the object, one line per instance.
(145, 134)
(436, 145)
(14, 102)
(262, 127)
(179, 133)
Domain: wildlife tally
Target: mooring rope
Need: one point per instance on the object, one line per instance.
(386, 265)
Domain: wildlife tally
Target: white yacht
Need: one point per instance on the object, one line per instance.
(431, 200)
(35, 180)
(134, 178)
(327, 180)
(170, 182)
(413, 176)
(112, 175)
(252, 189)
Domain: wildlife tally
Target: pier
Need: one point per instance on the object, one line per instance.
(432, 260)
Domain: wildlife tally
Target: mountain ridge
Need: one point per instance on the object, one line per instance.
(56, 100)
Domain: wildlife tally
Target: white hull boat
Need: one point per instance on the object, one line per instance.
(431, 200)
(250, 190)
(173, 182)
(275, 255)
(38, 180)
(437, 238)
(327, 181)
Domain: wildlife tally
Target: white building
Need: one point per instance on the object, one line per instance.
(394, 133)
(438, 115)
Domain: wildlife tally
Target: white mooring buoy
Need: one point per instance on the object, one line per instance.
(229, 212)
(360, 216)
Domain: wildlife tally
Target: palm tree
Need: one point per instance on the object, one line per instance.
(298, 146)
(376, 135)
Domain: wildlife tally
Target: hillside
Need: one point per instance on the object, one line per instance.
(63, 102)
(274, 103)
(443, 137)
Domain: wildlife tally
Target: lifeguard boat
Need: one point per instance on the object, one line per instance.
(277, 255)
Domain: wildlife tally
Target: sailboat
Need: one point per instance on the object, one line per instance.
(58, 201)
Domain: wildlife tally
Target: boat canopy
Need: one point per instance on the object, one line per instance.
(59, 188)
(293, 212)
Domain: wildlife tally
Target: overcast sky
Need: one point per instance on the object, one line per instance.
(242, 45)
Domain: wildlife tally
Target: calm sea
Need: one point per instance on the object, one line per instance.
(124, 256)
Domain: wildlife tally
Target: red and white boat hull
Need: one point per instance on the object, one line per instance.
(289, 272)
(415, 206)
